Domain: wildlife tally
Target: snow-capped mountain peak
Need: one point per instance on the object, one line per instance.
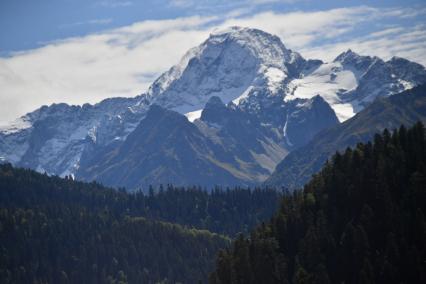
(356, 62)
(268, 48)
(352, 81)
(227, 65)
(347, 55)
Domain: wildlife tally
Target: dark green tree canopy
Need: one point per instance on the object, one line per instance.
(360, 220)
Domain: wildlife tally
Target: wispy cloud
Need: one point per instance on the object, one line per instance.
(115, 3)
(408, 42)
(99, 21)
(387, 32)
(89, 22)
(124, 61)
(298, 29)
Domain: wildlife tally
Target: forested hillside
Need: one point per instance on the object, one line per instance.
(55, 230)
(70, 245)
(360, 220)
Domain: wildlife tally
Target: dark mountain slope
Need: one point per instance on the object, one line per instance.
(164, 147)
(226, 146)
(241, 135)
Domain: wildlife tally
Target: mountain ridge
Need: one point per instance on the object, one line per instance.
(405, 108)
(247, 68)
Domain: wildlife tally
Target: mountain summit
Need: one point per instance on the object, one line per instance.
(227, 65)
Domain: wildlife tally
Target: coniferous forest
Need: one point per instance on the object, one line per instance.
(55, 230)
(360, 220)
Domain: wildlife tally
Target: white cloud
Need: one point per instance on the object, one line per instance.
(408, 42)
(297, 29)
(121, 62)
(386, 32)
(89, 22)
(100, 21)
(124, 61)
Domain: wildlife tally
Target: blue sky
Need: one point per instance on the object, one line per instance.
(29, 24)
(79, 51)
